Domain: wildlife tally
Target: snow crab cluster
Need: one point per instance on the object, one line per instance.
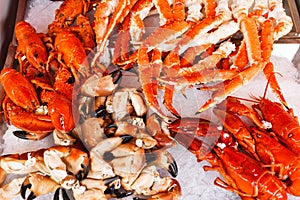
(108, 143)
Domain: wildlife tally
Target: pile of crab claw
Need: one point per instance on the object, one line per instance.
(111, 141)
(113, 153)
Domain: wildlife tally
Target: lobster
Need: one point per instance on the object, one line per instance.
(71, 53)
(243, 175)
(22, 108)
(34, 126)
(264, 146)
(66, 14)
(279, 158)
(284, 123)
(275, 117)
(19, 89)
(31, 45)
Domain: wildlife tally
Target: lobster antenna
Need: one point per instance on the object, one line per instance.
(255, 100)
(269, 80)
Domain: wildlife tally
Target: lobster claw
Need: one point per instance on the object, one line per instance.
(19, 89)
(29, 136)
(193, 126)
(64, 115)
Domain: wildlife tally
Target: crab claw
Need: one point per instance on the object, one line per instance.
(61, 160)
(163, 159)
(173, 169)
(39, 185)
(113, 187)
(167, 161)
(98, 85)
(82, 174)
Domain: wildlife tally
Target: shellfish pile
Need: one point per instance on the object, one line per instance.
(62, 86)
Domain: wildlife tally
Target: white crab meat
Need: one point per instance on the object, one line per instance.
(98, 85)
(91, 132)
(99, 168)
(125, 101)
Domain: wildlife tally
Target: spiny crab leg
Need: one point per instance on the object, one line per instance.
(215, 17)
(211, 61)
(105, 25)
(199, 73)
(133, 25)
(194, 10)
(204, 71)
(195, 32)
(284, 22)
(269, 34)
(249, 29)
(132, 28)
(149, 85)
(267, 40)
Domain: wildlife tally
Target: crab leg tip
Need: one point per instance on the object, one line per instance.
(110, 180)
(56, 194)
(65, 194)
(126, 138)
(24, 189)
(121, 193)
(173, 169)
(31, 196)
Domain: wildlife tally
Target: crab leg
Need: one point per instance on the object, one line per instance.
(149, 86)
(284, 22)
(191, 53)
(267, 39)
(251, 37)
(179, 10)
(197, 31)
(105, 25)
(204, 71)
(199, 73)
(194, 10)
(211, 61)
(159, 36)
(241, 59)
(233, 85)
(133, 26)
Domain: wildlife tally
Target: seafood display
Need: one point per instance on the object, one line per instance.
(112, 139)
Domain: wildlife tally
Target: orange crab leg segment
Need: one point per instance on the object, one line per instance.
(146, 78)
